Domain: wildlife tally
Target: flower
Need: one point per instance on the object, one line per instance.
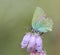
(32, 41)
(31, 45)
(38, 53)
(35, 43)
(38, 43)
(32, 53)
(42, 53)
(25, 40)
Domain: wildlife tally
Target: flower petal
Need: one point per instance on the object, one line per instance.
(31, 43)
(32, 53)
(25, 40)
(42, 53)
(38, 43)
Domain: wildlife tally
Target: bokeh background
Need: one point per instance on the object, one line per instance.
(15, 18)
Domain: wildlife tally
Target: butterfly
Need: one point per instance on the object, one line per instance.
(40, 22)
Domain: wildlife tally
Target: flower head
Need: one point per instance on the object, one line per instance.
(32, 41)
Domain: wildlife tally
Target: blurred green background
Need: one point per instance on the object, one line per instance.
(15, 15)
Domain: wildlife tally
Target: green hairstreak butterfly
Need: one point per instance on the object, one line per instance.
(40, 22)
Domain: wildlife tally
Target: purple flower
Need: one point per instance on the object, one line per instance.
(32, 41)
(35, 43)
(32, 53)
(25, 40)
(38, 53)
(31, 45)
(38, 43)
(42, 53)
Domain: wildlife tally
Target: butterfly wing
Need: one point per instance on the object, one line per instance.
(40, 22)
(44, 25)
(38, 15)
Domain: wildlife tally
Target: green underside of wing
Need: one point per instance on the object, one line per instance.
(39, 24)
(44, 25)
(38, 12)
